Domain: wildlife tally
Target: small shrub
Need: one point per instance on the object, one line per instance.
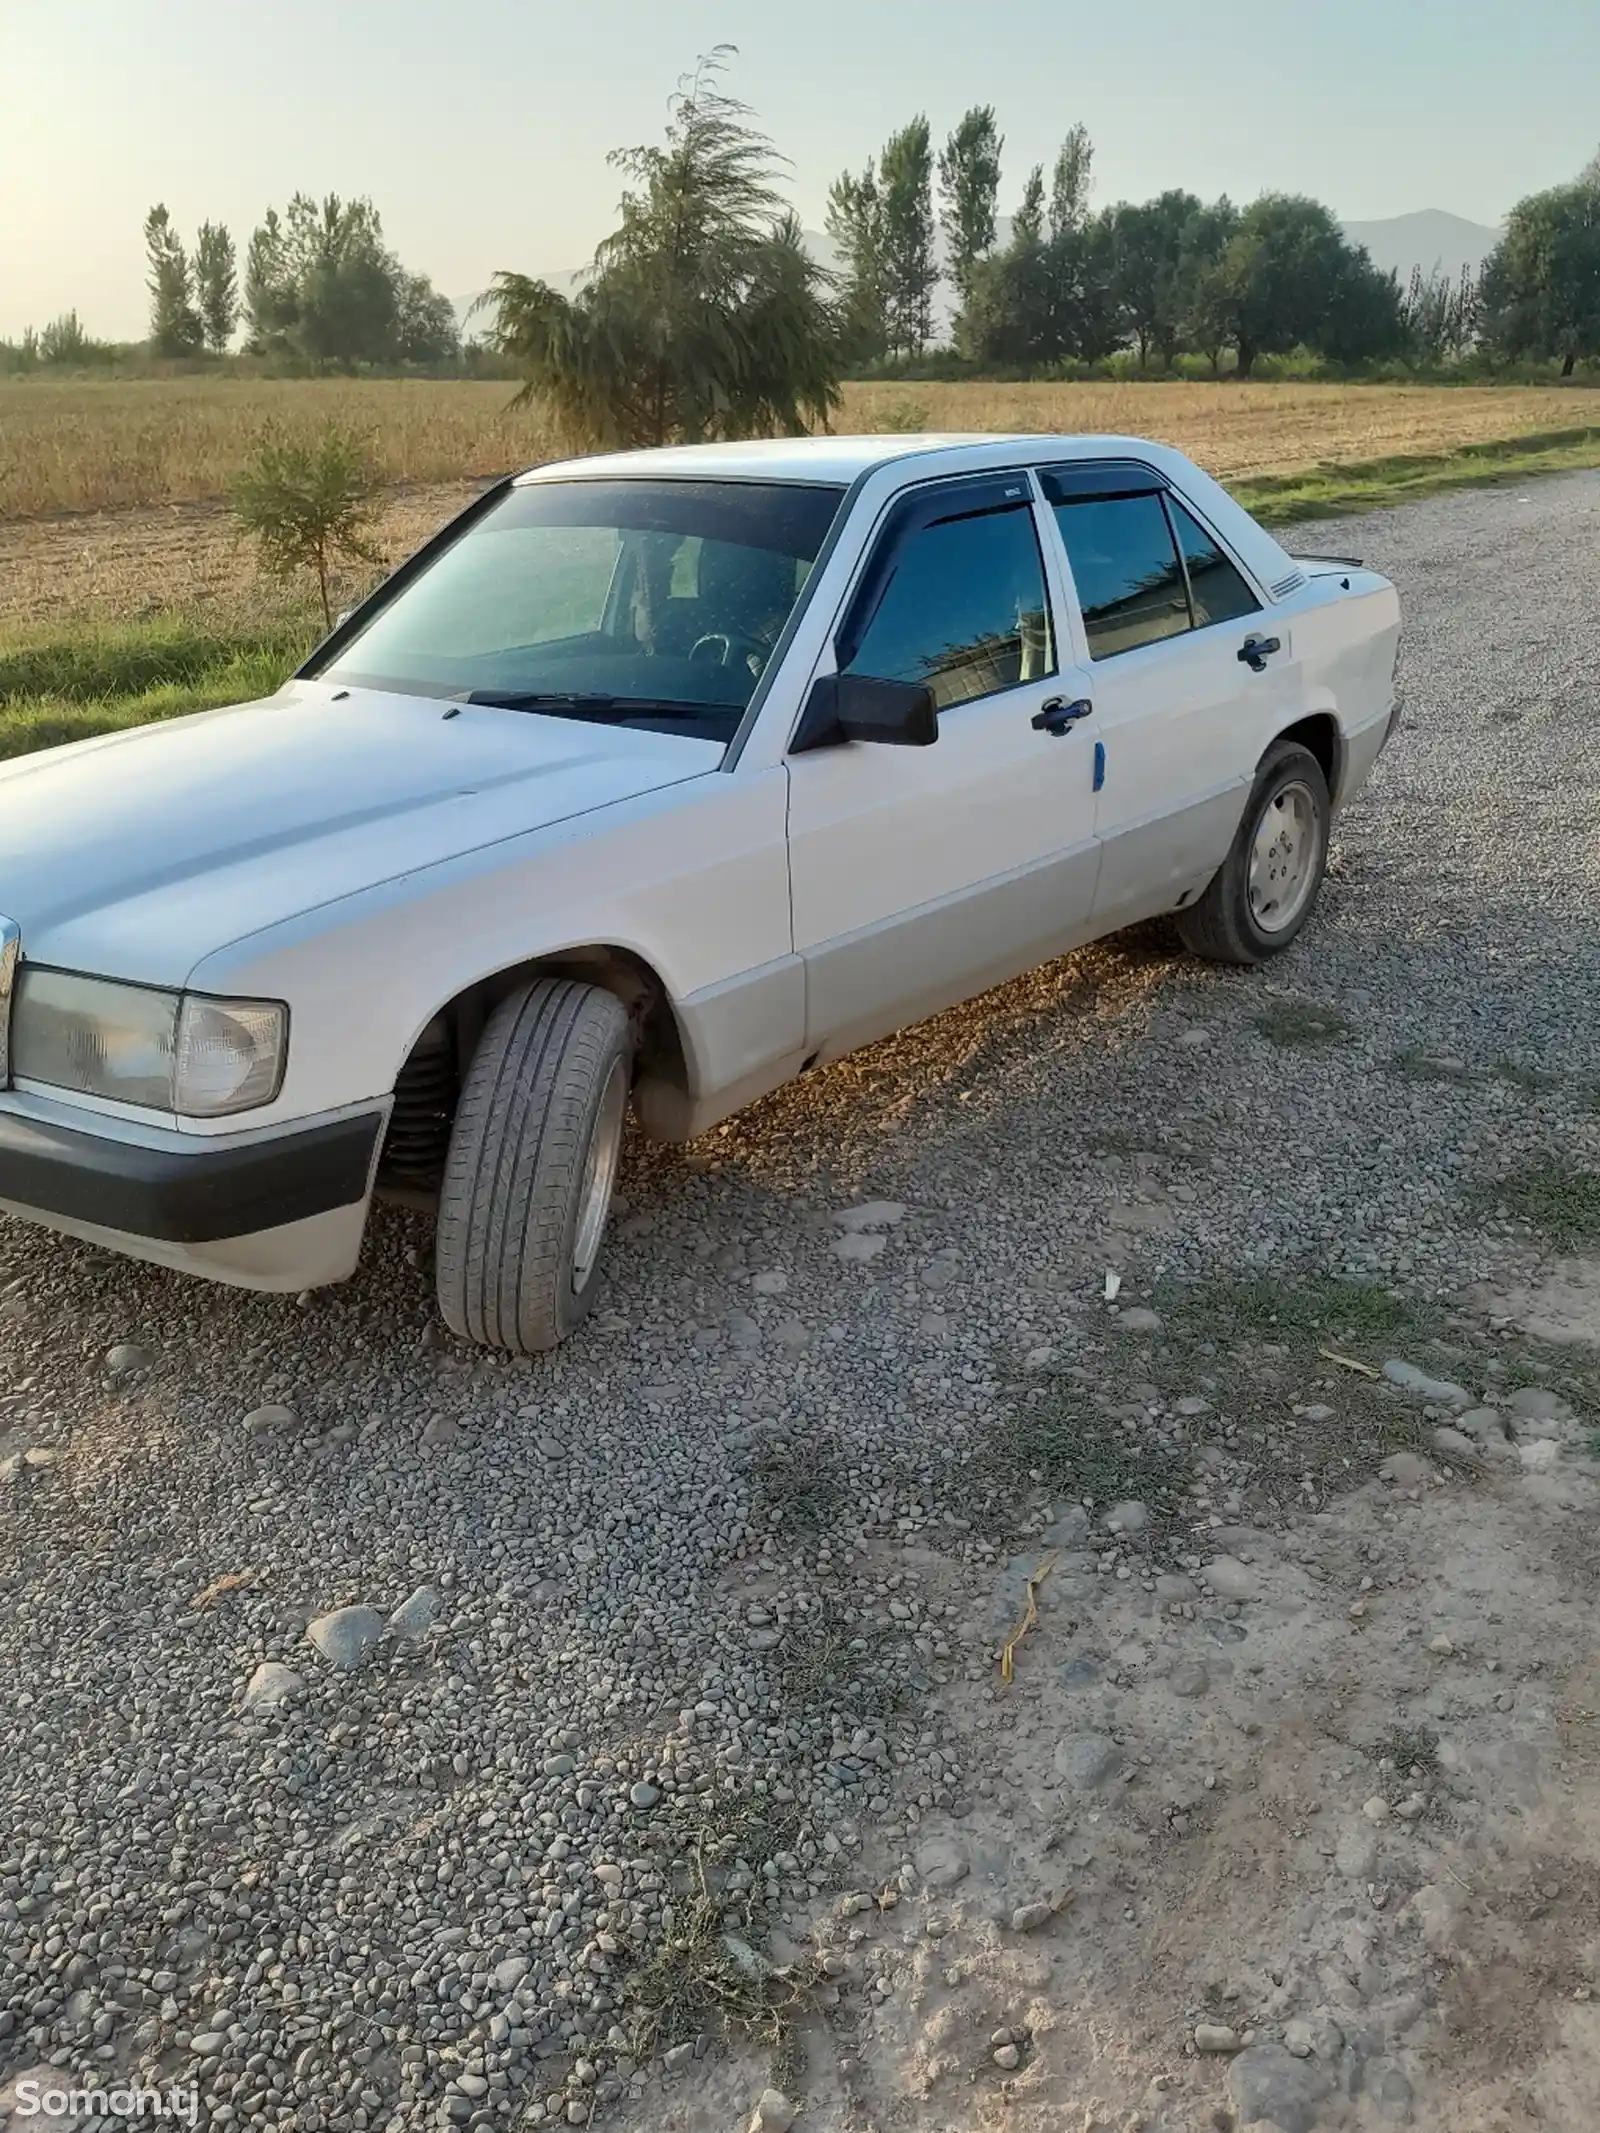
(307, 503)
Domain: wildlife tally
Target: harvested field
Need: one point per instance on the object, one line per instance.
(111, 493)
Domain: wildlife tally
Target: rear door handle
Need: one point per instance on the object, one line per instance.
(1058, 716)
(1256, 651)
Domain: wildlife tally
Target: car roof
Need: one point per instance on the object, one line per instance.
(826, 459)
(842, 461)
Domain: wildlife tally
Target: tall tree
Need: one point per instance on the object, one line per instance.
(174, 323)
(855, 224)
(1147, 251)
(1541, 284)
(1010, 316)
(910, 272)
(969, 192)
(1204, 312)
(1069, 183)
(425, 322)
(269, 291)
(323, 288)
(1281, 279)
(704, 316)
(216, 285)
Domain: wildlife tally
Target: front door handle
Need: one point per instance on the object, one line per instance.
(1058, 716)
(1256, 651)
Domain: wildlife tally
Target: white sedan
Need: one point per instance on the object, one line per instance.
(655, 778)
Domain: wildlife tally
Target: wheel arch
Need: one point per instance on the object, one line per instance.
(1319, 732)
(428, 1079)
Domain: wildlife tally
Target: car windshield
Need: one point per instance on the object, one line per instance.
(647, 603)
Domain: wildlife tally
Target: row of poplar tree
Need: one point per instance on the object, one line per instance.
(1178, 275)
(321, 287)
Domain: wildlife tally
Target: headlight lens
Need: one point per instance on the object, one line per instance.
(165, 1050)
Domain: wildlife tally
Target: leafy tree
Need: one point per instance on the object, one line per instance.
(1541, 284)
(1288, 276)
(174, 323)
(1204, 314)
(269, 293)
(216, 285)
(969, 187)
(1441, 313)
(1028, 222)
(704, 316)
(346, 304)
(307, 504)
(64, 341)
(1366, 313)
(425, 322)
(322, 287)
(1148, 278)
(1009, 317)
(855, 223)
(910, 273)
(1069, 184)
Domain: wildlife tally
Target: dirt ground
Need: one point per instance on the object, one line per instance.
(1328, 1800)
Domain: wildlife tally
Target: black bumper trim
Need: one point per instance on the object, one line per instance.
(179, 1197)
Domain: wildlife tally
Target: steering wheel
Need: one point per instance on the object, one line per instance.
(720, 647)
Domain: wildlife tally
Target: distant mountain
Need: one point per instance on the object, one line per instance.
(1428, 239)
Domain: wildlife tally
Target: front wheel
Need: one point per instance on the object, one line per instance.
(1263, 892)
(532, 1164)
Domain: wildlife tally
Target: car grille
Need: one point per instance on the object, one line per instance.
(10, 945)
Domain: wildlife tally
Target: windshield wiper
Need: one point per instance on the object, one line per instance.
(587, 704)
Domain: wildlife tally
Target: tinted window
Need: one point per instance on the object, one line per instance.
(963, 609)
(1216, 588)
(596, 596)
(1126, 568)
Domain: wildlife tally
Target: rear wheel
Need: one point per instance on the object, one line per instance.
(532, 1166)
(1264, 891)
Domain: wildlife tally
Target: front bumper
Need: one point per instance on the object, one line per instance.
(283, 1209)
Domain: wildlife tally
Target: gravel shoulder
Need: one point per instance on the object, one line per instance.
(404, 1736)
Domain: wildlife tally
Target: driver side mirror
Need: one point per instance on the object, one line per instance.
(859, 707)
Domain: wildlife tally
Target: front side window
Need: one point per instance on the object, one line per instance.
(962, 608)
(646, 603)
(1218, 591)
(1126, 567)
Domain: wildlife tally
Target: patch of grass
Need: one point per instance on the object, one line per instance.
(1562, 1205)
(1260, 1345)
(798, 1486)
(1334, 489)
(1062, 1445)
(62, 687)
(833, 1664)
(1292, 1022)
(706, 1976)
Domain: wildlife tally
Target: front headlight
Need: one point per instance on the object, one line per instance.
(168, 1051)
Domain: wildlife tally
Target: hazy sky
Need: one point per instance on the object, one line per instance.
(480, 127)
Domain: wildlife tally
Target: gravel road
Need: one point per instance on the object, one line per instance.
(398, 1873)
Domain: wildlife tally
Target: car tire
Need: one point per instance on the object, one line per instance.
(531, 1165)
(1266, 888)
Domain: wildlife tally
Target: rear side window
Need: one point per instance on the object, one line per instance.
(963, 609)
(1216, 588)
(1126, 566)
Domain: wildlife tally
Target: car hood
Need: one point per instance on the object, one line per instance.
(140, 853)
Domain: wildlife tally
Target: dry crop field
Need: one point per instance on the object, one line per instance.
(111, 491)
